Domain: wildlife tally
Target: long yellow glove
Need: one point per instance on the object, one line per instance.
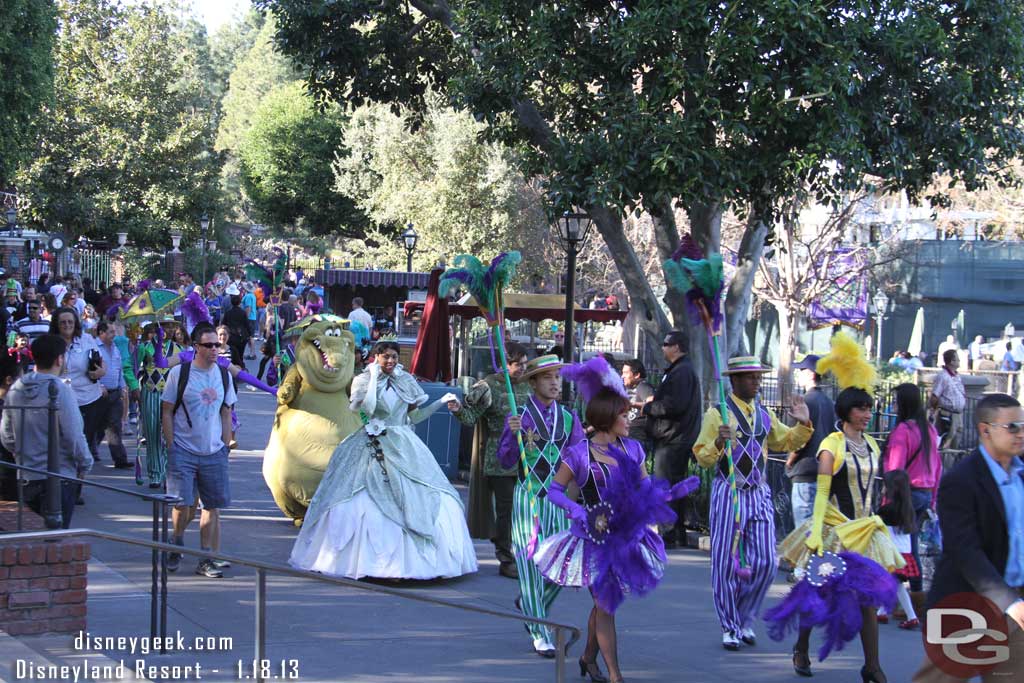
(821, 497)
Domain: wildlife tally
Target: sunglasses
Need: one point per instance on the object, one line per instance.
(209, 345)
(1011, 427)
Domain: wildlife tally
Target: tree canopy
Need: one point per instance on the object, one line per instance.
(27, 31)
(461, 193)
(642, 105)
(286, 156)
(127, 144)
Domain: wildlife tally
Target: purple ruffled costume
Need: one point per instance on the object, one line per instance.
(631, 557)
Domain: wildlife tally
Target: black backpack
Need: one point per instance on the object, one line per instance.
(186, 370)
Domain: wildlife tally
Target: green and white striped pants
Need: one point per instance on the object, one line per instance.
(537, 592)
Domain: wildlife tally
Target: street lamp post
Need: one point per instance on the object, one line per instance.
(573, 228)
(881, 302)
(204, 227)
(409, 238)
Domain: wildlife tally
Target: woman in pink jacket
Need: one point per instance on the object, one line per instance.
(914, 446)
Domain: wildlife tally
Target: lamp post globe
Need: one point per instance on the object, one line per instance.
(409, 239)
(204, 227)
(881, 301)
(573, 230)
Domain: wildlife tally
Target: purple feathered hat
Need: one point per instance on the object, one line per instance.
(593, 376)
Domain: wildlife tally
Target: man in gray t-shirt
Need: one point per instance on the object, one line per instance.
(195, 420)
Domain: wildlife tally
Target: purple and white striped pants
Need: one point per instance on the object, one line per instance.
(739, 602)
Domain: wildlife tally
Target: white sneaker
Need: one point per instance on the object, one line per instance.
(747, 636)
(730, 641)
(543, 648)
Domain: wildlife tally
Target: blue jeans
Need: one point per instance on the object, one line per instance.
(802, 498)
(922, 500)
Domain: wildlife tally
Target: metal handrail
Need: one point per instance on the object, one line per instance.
(161, 502)
(262, 568)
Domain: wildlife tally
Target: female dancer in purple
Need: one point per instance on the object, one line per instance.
(612, 547)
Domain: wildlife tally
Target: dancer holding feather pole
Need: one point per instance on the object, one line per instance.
(534, 437)
(734, 439)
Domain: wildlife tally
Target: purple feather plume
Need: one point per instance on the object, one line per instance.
(836, 606)
(593, 376)
(619, 565)
(688, 248)
(195, 311)
(143, 285)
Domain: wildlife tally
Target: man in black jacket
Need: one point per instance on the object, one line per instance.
(673, 423)
(981, 512)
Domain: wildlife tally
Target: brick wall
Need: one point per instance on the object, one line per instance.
(43, 585)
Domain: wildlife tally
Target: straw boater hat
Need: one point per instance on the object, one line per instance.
(742, 364)
(541, 364)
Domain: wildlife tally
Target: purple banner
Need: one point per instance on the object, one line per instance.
(846, 300)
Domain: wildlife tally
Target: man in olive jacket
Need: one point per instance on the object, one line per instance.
(673, 423)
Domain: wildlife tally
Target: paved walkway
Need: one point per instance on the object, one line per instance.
(340, 634)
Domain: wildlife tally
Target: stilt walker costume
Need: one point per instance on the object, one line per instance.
(743, 558)
(546, 431)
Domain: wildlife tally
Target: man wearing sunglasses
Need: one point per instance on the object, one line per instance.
(981, 510)
(195, 421)
(33, 326)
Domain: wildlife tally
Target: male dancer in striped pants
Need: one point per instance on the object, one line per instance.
(546, 429)
(751, 431)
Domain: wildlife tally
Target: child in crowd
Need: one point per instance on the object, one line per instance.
(898, 513)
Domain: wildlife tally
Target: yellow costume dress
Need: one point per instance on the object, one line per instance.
(850, 526)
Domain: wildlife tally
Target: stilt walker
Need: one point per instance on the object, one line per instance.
(734, 441)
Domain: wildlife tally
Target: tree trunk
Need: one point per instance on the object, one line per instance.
(788, 324)
(737, 300)
(652, 318)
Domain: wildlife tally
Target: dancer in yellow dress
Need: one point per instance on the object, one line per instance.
(844, 553)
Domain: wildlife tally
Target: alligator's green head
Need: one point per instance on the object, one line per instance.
(325, 356)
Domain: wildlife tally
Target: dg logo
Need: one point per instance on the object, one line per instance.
(965, 635)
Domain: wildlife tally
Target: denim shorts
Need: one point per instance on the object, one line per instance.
(188, 473)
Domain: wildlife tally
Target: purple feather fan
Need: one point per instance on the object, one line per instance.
(195, 311)
(142, 286)
(623, 562)
(836, 606)
(593, 376)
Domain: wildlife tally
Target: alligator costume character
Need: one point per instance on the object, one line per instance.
(312, 413)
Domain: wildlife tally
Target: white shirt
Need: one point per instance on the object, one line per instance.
(360, 315)
(203, 398)
(76, 364)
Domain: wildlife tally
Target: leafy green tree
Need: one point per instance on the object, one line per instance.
(286, 158)
(27, 29)
(258, 72)
(128, 142)
(461, 193)
(625, 106)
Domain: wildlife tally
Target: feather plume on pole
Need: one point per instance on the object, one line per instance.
(701, 282)
(486, 283)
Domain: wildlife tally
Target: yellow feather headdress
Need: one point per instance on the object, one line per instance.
(847, 361)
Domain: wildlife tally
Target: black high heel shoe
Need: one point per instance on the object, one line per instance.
(802, 663)
(869, 676)
(595, 674)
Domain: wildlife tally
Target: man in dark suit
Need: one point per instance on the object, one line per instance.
(673, 423)
(981, 513)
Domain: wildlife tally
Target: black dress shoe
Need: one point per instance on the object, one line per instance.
(122, 466)
(802, 664)
(591, 669)
(508, 570)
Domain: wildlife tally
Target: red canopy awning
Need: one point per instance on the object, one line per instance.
(533, 307)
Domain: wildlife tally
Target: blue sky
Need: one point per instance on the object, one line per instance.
(215, 13)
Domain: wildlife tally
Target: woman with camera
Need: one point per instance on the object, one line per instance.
(83, 369)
